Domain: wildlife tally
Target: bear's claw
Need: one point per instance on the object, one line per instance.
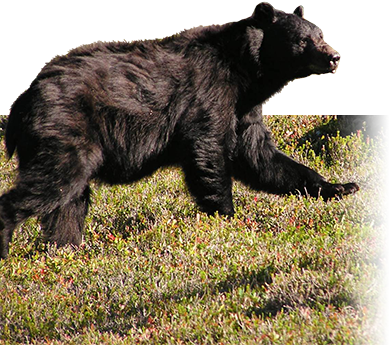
(331, 191)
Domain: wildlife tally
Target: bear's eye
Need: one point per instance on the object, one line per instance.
(321, 36)
(302, 43)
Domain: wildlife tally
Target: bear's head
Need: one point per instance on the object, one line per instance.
(287, 43)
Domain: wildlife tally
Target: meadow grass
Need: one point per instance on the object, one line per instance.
(154, 269)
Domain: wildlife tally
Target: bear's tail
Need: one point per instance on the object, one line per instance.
(18, 111)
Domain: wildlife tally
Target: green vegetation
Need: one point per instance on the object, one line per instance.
(154, 269)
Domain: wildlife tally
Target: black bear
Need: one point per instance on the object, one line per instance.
(117, 111)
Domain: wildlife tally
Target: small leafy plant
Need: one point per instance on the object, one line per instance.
(154, 269)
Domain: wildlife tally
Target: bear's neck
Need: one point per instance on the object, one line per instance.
(225, 46)
(257, 82)
(257, 93)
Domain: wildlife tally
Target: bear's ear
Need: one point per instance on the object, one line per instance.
(264, 13)
(299, 11)
(254, 41)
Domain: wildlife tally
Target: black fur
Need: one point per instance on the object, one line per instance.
(118, 111)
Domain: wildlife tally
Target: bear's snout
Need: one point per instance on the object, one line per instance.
(324, 59)
(334, 61)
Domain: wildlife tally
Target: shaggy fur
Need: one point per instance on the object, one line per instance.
(117, 111)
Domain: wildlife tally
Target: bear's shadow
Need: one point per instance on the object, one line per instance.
(318, 137)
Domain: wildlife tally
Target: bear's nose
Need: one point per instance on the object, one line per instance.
(335, 58)
(334, 61)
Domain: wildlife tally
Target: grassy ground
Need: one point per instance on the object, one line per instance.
(153, 269)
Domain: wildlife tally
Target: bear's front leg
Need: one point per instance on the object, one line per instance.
(208, 177)
(259, 164)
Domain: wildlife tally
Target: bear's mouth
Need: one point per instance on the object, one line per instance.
(332, 67)
(317, 69)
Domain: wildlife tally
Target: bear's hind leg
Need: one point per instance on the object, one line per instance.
(65, 224)
(25, 200)
(64, 207)
(8, 220)
(54, 186)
